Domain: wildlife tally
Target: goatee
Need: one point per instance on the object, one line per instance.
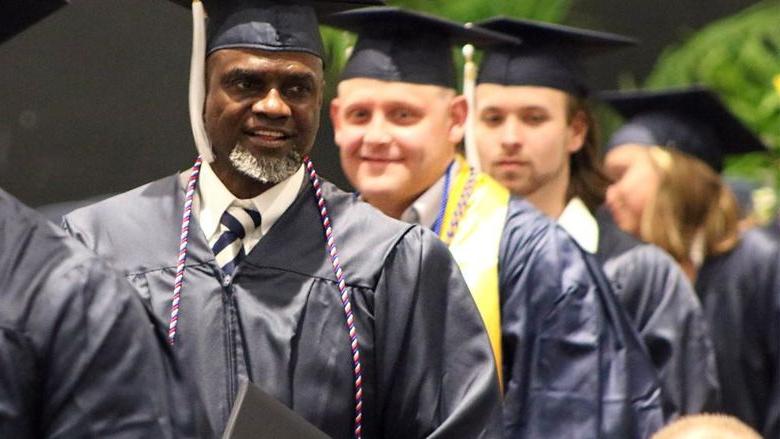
(265, 169)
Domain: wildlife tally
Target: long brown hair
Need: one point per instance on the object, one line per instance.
(693, 209)
(587, 180)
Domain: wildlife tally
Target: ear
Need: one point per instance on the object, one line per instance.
(578, 131)
(335, 119)
(459, 110)
(334, 112)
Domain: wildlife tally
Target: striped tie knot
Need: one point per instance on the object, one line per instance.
(235, 224)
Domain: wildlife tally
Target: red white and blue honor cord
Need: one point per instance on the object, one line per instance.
(192, 185)
(346, 302)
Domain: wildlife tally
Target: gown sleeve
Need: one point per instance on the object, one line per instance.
(739, 291)
(771, 339)
(760, 259)
(435, 368)
(672, 325)
(102, 359)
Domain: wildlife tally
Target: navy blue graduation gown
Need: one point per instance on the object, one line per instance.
(428, 370)
(79, 357)
(740, 291)
(574, 366)
(663, 305)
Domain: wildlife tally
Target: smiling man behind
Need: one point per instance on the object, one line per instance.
(572, 365)
(361, 324)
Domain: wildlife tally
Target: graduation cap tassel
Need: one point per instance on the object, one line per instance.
(469, 85)
(198, 82)
(776, 82)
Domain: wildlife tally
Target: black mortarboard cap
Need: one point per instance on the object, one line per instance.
(550, 55)
(18, 15)
(273, 25)
(398, 45)
(692, 120)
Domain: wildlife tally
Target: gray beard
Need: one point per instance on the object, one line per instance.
(265, 169)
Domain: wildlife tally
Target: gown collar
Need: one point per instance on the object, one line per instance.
(581, 225)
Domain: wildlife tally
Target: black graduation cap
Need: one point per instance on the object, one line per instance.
(274, 25)
(550, 55)
(399, 45)
(693, 120)
(18, 15)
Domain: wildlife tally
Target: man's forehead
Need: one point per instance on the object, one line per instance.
(245, 58)
(369, 87)
(519, 95)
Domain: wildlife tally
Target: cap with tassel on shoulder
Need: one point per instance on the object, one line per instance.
(693, 120)
(270, 25)
(550, 55)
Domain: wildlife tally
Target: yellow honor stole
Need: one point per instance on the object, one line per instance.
(472, 227)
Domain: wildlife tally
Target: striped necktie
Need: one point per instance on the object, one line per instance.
(234, 225)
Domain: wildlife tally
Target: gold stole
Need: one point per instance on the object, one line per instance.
(475, 244)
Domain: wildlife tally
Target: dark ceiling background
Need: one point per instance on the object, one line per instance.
(93, 99)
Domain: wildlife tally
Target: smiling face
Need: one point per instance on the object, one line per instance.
(525, 137)
(396, 139)
(261, 114)
(636, 181)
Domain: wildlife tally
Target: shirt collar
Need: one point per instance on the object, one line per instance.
(425, 208)
(577, 220)
(215, 198)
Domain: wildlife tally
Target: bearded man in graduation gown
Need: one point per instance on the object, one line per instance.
(536, 134)
(361, 324)
(552, 316)
(79, 356)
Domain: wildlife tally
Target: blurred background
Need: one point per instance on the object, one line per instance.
(93, 99)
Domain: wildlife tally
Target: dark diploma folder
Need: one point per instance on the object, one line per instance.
(257, 415)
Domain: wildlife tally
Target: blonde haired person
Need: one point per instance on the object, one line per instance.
(673, 196)
(707, 426)
(693, 213)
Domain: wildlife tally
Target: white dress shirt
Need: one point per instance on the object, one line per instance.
(215, 198)
(581, 225)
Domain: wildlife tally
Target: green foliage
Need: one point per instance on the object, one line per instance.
(476, 10)
(739, 57)
(338, 42)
